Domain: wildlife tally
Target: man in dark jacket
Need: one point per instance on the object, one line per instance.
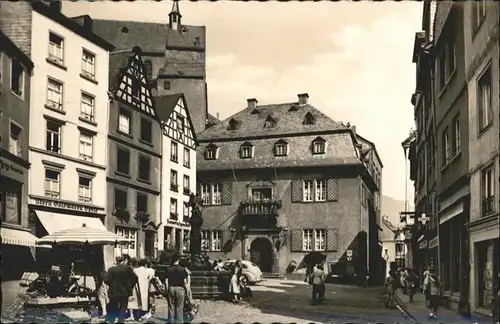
(121, 281)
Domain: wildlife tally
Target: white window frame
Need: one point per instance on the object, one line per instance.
(87, 108)
(308, 190)
(187, 157)
(84, 192)
(210, 153)
(53, 135)
(124, 123)
(281, 149)
(206, 193)
(174, 151)
(173, 207)
(320, 189)
(307, 239)
(56, 51)
(446, 146)
(186, 210)
(205, 240)
(86, 147)
(186, 184)
(216, 241)
(88, 63)
(456, 134)
(55, 92)
(485, 98)
(14, 140)
(21, 81)
(216, 194)
(320, 240)
(319, 147)
(126, 248)
(53, 186)
(246, 151)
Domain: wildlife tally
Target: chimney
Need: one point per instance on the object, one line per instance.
(353, 128)
(303, 98)
(252, 103)
(217, 115)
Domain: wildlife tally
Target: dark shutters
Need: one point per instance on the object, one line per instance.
(331, 239)
(227, 193)
(332, 190)
(297, 194)
(296, 240)
(226, 240)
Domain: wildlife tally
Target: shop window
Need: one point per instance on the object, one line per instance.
(486, 271)
(10, 201)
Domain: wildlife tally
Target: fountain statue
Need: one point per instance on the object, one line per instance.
(198, 260)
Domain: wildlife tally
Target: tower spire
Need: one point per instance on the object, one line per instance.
(175, 16)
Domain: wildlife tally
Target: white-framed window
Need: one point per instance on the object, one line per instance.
(447, 62)
(17, 78)
(55, 94)
(216, 241)
(56, 48)
(314, 190)
(280, 149)
(186, 184)
(319, 239)
(84, 189)
(124, 120)
(174, 151)
(319, 147)
(53, 140)
(173, 180)
(187, 157)
(446, 146)
(488, 190)
(87, 107)
(88, 64)
(15, 139)
(205, 240)
(126, 248)
(210, 153)
(307, 239)
(455, 144)
(211, 193)
(186, 210)
(478, 14)
(52, 183)
(211, 240)
(308, 190)
(246, 151)
(173, 208)
(320, 190)
(484, 99)
(86, 146)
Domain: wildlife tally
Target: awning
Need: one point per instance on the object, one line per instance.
(12, 236)
(55, 222)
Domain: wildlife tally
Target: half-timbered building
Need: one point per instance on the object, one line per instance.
(178, 171)
(280, 181)
(133, 180)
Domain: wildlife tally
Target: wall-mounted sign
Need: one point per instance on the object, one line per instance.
(65, 205)
(178, 223)
(433, 243)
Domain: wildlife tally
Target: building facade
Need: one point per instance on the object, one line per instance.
(481, 34)
(134, 148)
(69, 106)
(281, 181)
(173, 54)
(15, 75)
(178, 171)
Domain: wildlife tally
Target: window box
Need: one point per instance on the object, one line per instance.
(142, 216)
(174, 216)
(122, 213)
(174, 187)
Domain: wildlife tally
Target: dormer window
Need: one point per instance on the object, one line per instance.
(233, 124)
(308, 119)
(281, 148)
(319, 146)
(246, 150)
(211, 152)
(270, 122)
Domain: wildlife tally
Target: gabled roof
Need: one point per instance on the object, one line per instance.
(165, 105)
(290, 122)
(10, 48)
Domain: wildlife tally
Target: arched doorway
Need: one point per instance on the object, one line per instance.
(261, 253)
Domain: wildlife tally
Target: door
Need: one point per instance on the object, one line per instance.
(261, 253)
(262, 194)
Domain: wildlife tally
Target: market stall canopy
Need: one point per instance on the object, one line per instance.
(55, 222)
(19, 237)
(83, 235)
(312, 259)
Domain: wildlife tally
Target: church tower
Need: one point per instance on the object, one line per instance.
(174, 17)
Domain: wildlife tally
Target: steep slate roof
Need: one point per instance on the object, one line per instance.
(165, 105)
(287, 122)
(117, 62)
(150, 37)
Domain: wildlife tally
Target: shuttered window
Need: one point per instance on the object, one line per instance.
(216, 193)
(315, 190)
(304, 240)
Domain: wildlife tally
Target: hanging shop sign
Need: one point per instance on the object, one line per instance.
(434, 242)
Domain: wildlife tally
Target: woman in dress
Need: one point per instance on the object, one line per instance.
(133, 301)
(139, 303)
(234, 285)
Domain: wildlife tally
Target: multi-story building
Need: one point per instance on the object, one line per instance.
(68, 115)
(178, 171)
(15, 75)
(481, 33)
(173, 54)
(134, 168)
(282, 180)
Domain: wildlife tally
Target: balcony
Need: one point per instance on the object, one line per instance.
(259, 214)
(488, 205)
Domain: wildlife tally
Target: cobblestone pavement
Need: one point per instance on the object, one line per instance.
(418, 310)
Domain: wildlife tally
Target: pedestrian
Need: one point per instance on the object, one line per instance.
(318, 284)
(155, 286)
(234, 284)
(432, 286)
(392, 283)
(139, 304)
(103, 294)
(411, 283)
(121, 280)
(190, 307)
(175, 282)
(496, 302)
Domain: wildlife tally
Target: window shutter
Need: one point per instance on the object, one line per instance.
(226, 240)
(227, 193)
(297, 194)
(296, 240)
(332, 239)
(332, 190)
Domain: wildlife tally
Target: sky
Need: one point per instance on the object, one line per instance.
(354, 59)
